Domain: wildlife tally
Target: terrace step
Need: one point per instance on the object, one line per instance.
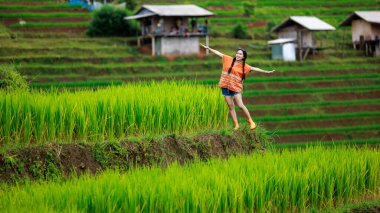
(164, 66)
(38, 10)
(358, 80)
(300, 98)
(325, 123)
(9, 21)
(27, 3)
(78, 30)
(328, 137)
(316, 110)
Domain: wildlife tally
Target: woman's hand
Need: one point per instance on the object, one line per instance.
(206, 47)
(212, 50)
(261, 70)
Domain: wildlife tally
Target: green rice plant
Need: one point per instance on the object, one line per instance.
(298, 180)
(109, 113)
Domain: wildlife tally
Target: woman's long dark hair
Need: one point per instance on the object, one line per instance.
(234, 59)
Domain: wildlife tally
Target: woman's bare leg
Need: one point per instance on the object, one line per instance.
(231, 107)
(239, 102)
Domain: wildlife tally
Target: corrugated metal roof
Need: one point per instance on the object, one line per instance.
(178, 10)
(189, 10)
(281, 41)
(368, 16)
(309, 22)
(143, 15)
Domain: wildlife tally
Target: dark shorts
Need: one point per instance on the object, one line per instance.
(227, 92)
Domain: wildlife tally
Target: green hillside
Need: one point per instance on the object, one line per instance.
(331, 96)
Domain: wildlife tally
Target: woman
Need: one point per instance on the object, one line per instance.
(232, 79)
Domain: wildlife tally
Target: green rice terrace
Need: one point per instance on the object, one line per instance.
(152, 133)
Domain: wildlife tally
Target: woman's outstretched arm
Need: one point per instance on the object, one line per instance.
(212, 50)
(260, 70)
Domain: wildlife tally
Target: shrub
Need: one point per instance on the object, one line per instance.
(10, 79)
(270, 26)
(109, 21)
(240, 31)
(249, 8)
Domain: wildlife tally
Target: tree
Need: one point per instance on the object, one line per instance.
(109, 21)
(130, 5)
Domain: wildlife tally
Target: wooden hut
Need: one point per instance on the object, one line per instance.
(301, 29)
(365, 31)
(172, 29)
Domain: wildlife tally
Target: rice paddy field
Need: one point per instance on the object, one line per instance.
(110, 113)
(335, 89)
(102, 91)
(301, 180)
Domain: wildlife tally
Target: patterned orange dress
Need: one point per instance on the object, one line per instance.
(233, 80)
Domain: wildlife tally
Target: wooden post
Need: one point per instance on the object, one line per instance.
(138, 41)
(163, 26)
(335, 41)
(207, 51)
(344, 38)
(153, 46)
(321, 40)
(299, 39)
(306, 52)
(312, 44)
(327, 39)
(312, 39)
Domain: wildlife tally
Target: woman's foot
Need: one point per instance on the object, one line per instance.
(236, 125)
(252, 124)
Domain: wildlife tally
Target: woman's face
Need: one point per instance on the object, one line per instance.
(239, 55)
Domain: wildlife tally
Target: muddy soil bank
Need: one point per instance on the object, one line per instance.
(62, 160)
